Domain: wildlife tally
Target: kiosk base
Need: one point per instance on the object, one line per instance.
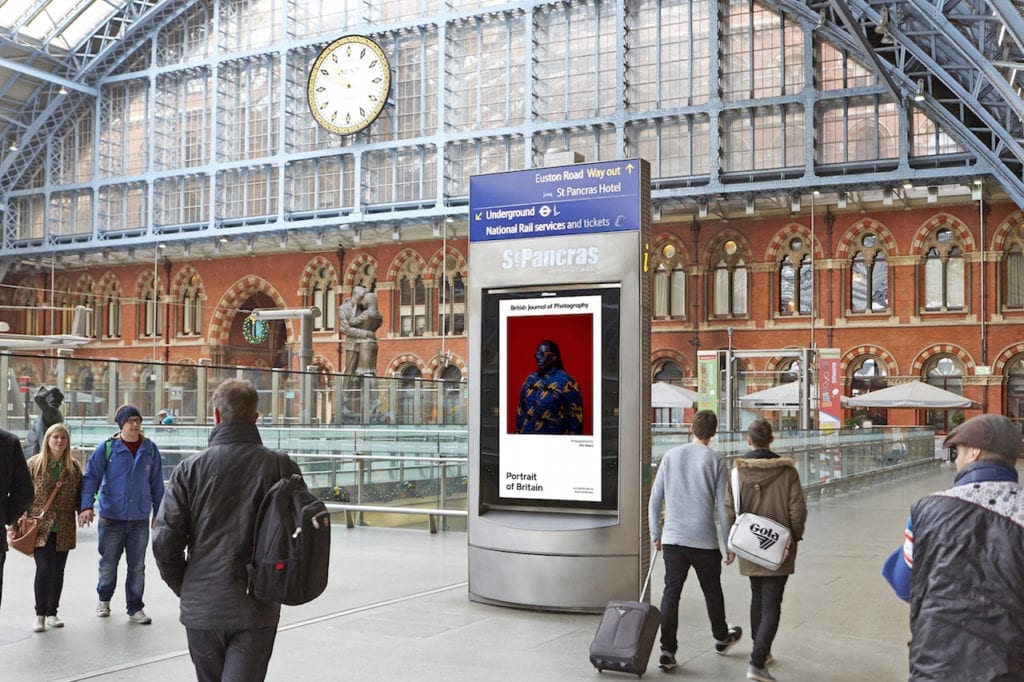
(549, 582)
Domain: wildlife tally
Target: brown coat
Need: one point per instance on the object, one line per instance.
(64, 506)
(770, 487)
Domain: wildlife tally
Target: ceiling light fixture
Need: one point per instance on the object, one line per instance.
(882, 28)
(919, 93)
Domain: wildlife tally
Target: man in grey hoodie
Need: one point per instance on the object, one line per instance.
(691, 482)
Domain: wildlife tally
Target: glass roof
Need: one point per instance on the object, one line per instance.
(56, 26)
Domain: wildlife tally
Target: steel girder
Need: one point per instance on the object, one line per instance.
(965, 53)
(962, 54)
(46, 112)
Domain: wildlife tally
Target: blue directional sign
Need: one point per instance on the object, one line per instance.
(561, 200)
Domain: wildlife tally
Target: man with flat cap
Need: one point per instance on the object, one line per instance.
(961, 566)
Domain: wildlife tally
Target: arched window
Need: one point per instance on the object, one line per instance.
(1015, 391)
(946, 372)
(64, 302)
(789, 371)
(729, 298)
(451, 313)
(669, 284)
(92, 319)
(669, 371)
(943, 271)
(409, 395)
(111, 311)
(190, 321)
(796, 286)
(27, 298)
(151, 322)
(869, 277)
(322, 296)
(1013, 269)
(452, 406)
(366, 276)
(412, 301)
(869, 374)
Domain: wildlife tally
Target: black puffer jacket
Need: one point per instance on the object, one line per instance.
(967, 591)
(16, 490)
(209, 508)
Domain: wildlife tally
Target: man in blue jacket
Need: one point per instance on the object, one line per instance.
(962, 559)
(127, 472)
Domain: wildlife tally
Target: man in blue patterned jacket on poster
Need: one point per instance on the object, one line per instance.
(550, 401)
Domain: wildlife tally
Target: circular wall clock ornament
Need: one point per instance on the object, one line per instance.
(349, 84)
(254, 331)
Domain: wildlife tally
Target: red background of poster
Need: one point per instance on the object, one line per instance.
(574, 335)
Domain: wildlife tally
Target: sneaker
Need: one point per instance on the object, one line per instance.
(39, 624)
(667, 660)
(103, 609)
(735, 634)
(54, 622)
(759, 674)
(140, 617)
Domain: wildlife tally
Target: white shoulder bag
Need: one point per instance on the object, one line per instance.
(757, 538)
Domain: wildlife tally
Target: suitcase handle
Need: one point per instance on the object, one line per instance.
(650, 572)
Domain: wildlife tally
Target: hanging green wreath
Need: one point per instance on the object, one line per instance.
(254, 331)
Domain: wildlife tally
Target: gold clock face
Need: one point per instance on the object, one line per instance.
(349, 84)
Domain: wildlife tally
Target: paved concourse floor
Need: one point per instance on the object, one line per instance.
(397, 609)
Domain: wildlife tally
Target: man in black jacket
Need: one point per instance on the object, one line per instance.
(16, 489)
(209, 508)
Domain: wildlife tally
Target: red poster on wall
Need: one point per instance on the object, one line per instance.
(831, 386)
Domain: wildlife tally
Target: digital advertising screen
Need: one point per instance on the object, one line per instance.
(549, 397)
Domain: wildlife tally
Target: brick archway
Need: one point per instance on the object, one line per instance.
(230, 303)
(941, 349)
(857, 352)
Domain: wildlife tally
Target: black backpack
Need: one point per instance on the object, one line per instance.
(291, 545)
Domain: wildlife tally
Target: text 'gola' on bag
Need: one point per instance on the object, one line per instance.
(756, 538)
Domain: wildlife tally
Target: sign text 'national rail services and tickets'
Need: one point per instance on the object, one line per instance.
(557, 201)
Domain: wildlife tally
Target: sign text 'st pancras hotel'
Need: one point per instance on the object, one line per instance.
(564, 200)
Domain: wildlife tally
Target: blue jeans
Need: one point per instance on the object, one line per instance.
(129, 538)
(707, 563)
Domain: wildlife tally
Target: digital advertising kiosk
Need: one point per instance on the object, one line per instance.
(559, 346)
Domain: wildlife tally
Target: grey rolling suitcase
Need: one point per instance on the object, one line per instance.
(626, 634)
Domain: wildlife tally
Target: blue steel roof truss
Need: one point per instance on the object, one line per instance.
(965, 53)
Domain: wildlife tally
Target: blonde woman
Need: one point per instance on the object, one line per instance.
(58, 528)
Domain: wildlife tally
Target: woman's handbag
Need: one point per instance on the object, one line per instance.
(757, 538)
(22, 533)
